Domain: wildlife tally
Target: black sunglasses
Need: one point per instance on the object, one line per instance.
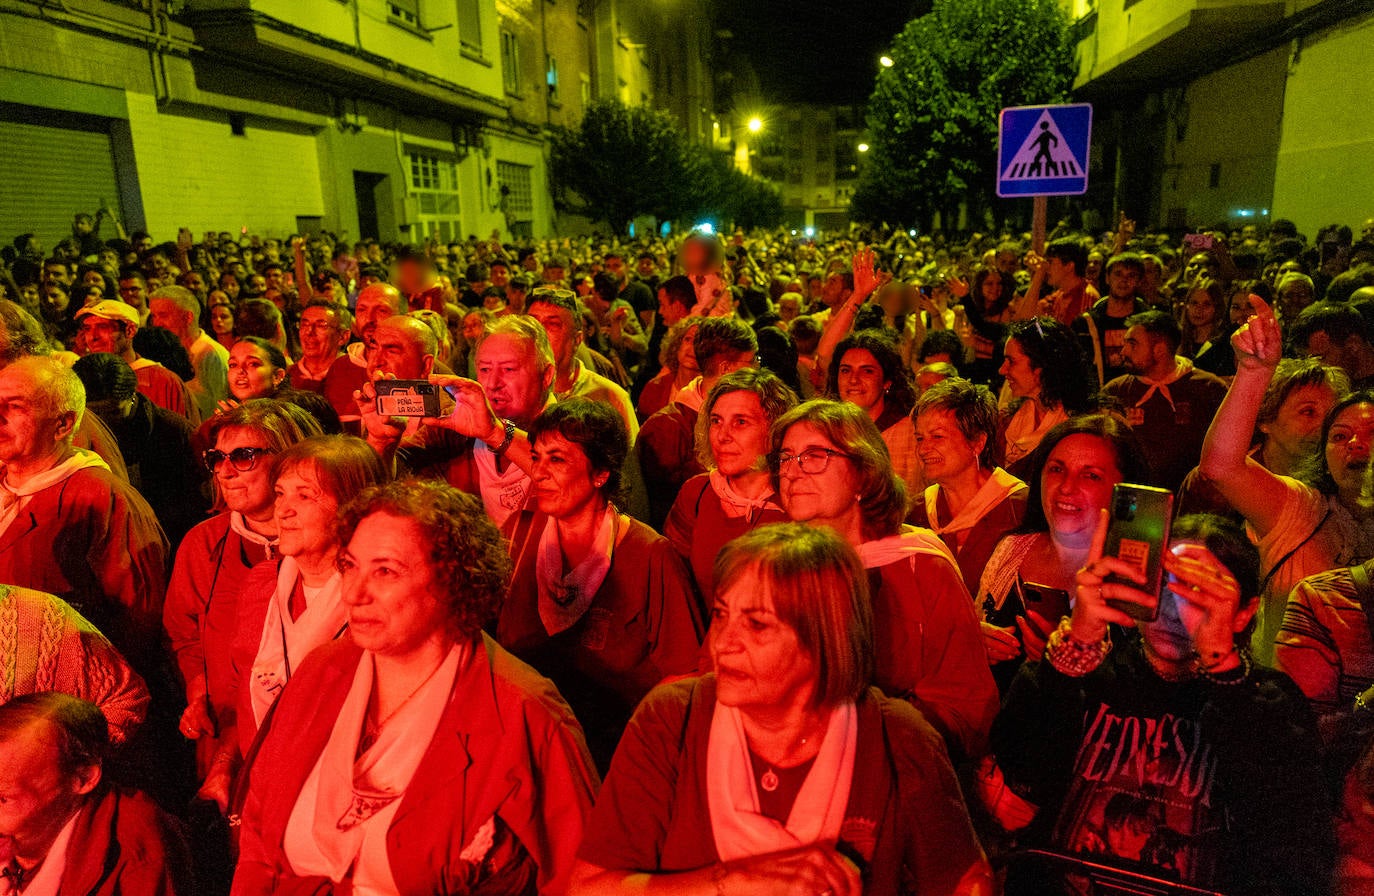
(243, 459)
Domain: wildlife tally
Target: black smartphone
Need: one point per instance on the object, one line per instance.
(407, 398)
(1138, 533)
(1012, 606)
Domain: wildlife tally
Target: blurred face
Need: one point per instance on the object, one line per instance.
(305, 512)
(321, 336)
(738, 433)
(558, 323)
(1297, 426)
(861, 381)
(1201, 310)
(389, 588)
(816, 497)
(1077, 483)
(397, 353)
(248, 492)
(563, 480)
(167, 314)
(222, 319)
(96, 334)
(251, 372)
(758, 660)
(36, 798)
(945, 453)
(1123, 281)
(1022, 378)
(1348, 448)
(508, 369)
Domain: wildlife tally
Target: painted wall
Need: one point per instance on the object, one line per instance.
(1326, 156)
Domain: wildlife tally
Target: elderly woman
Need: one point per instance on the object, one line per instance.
(599, 602)
(733, 441)
(784, 770)
(1303, 525)
(292, 603)
(867, 371)
(1165, 749)
(1072, 474)
(833, 470)
(201, 610)
(1048, 380)
(415, 755)
(971, 502)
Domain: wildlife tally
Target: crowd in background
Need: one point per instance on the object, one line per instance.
(756, 563)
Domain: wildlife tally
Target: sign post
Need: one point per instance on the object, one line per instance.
(1042, 151)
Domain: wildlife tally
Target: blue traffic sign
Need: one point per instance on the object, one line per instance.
(1043, 150)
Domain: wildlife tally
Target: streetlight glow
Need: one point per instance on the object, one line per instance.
(755, 124)
(885, 61)
(863, 147)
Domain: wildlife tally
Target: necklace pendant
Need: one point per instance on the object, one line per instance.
(769, 781)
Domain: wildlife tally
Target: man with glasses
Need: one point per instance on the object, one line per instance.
(109, 327)
(323, 330)
(558, 313)
(68, 526)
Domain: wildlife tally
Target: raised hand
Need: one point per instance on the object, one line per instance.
(472, 414)
(1199, 579)
(865, 277)
(379, 429)
(1258, 342)
(1091, 612)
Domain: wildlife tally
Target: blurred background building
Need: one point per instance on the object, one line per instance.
(375, 118)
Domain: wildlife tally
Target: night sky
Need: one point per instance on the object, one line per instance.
(812, 51)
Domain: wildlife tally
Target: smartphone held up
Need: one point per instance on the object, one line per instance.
(1138, 534)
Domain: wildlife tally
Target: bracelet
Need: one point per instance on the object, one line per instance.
(1230, 676)
(1072, 657)
(505, 443)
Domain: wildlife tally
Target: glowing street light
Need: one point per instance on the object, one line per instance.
(863, 147)
(755, 124)
(885, 61)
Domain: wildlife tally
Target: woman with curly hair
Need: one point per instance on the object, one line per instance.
(416, 755)
(1049, 382)
(599, 602)
(679, 368)
(866, 370)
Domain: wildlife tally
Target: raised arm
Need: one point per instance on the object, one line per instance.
(866, 282)
(300, 268)
(1249, 487)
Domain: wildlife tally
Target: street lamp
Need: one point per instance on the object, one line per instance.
(863, 147)
(885, 61)
(755, 124)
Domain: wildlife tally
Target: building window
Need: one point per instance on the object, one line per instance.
(434, 184)
(470, 25)
(517, 189)
(510, 62)
(551, 76)
(586, 90)
(405, 11)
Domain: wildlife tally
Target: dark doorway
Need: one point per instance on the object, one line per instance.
(367, 186)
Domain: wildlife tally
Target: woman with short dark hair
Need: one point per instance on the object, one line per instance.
(784, 770)
(599, 602)
(1049, 382)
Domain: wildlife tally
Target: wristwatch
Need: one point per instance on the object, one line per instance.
(509, 426)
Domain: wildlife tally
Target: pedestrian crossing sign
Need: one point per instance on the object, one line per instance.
(1043, 150)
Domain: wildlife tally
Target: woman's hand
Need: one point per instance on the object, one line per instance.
(1258, 342)
(809, 871)
(1000, 643)
(1091, 612)
(1202, 582)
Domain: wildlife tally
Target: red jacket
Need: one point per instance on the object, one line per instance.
(123, 845)
(506, 746)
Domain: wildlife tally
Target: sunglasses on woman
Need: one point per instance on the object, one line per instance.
(243, 459)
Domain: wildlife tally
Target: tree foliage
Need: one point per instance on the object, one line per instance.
(933, 114)
(624, 162)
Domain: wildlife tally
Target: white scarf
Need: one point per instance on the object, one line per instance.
(1024, 434)
(908, 543)
(285, 642)
(1182, 367)
(502, 493)
(339, 824)
(740, 829)
(239, 526)
(737, 506)
(998, 488)
(13, 496)
(691, 396)
(563, 598)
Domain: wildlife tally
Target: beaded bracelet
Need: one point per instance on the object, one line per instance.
(1230, 676)
(1072, 657)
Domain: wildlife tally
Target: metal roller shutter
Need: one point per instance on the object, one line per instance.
(50, 174)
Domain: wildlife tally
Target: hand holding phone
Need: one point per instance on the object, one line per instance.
(1138, 536)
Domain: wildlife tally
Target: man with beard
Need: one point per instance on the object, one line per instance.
(1167, 402)
(109, 326)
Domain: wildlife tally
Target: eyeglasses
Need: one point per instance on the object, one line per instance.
(552, 291)
(243, 459)
(812, 461)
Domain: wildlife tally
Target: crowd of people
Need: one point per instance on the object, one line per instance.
(745, 565)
